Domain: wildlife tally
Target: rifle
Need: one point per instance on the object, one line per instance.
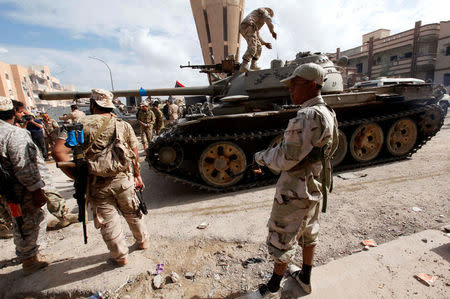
(14, 202)
(142, 205)
(75, 140)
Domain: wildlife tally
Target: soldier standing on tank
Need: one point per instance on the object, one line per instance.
(249, 29)
(159, 118)
(19, 157)
(309, 141)
(110, 194)
(173, 112)
(146, 120)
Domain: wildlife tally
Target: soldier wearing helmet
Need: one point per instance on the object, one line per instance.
(159, 118)
(249, 29)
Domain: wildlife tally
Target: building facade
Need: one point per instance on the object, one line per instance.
(217, 23)
(24, 83)
(421, 52)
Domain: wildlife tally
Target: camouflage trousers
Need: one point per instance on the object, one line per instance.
(291, 223)
(146, 134)
(254, 48)
(109, 196)
(33, 228)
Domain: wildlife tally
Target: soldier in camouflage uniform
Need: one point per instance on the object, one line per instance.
(146, 120)
(110, 195)
(19, 156)
(249, 29)
(159, 118)
(309, 141)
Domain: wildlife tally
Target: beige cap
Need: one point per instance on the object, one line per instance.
(269, 11)
(103, 98)
(308, 71)
(6, 104)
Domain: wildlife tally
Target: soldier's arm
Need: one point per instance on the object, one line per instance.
(23, 154)
(61, 153)
(134, 143)
(299, 139)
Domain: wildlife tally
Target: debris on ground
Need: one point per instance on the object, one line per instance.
(351, 175)
(426, 279)
(416, 209)
(173, 278)
(202, 225)
(252, 260)
(157, 281)
(370, 243)
(425, 240)
(189, 275)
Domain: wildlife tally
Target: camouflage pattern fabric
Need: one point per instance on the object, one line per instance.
(20, 157)
(148, 118)
(299, 190)
(159, 120)
(107, 197)
(249, 29)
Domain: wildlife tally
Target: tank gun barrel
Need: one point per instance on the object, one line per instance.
(210, 90)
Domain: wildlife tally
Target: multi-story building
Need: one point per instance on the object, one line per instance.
(421, 52)
(24, 83)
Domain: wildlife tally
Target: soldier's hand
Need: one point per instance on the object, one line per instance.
(268, 45)
(39, 198)
(274, 35)
(138, 183)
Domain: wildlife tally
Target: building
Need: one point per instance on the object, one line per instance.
(421, 52)
(217, 23)
(24, 83)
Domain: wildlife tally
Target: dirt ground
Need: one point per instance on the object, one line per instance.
(380, 203)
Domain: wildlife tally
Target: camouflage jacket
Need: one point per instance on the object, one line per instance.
(93, 123)
(20, 156)
(298, 155)
(146, 117)
(159, 123)
(257, 18)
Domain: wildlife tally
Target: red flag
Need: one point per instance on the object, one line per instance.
(178, 84)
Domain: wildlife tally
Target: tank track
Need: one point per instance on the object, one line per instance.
(252, 181)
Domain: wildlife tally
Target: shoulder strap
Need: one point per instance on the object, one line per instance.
(102, 128)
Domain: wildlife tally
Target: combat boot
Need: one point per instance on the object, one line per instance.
(33, 264)
(254, 66)
(67, 219)
(244, 66)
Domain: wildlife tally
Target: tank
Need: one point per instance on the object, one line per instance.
(212, 147)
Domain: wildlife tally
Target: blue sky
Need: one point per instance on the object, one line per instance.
(145, 41)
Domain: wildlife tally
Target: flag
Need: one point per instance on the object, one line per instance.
(178, 84)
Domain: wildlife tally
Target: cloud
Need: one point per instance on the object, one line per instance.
(3, 51)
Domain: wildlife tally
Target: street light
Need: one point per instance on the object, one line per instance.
(110, 74)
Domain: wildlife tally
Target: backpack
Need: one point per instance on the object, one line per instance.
(114, 158)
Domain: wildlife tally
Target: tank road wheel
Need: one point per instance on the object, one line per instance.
(222, 164)
(366, 142)
(277, 140)
(166, 157)
(341, 151)
(431, 121)
(401, 137)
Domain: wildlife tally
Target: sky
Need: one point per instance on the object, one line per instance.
(145, 41)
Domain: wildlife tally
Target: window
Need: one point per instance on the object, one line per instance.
(446, 79)
(6, 76)
(394, 58)
(447, 51)
(408, 54)
(359, 68)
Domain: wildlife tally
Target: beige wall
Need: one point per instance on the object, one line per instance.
(442, 60)
(392, 55)
(217, 23)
